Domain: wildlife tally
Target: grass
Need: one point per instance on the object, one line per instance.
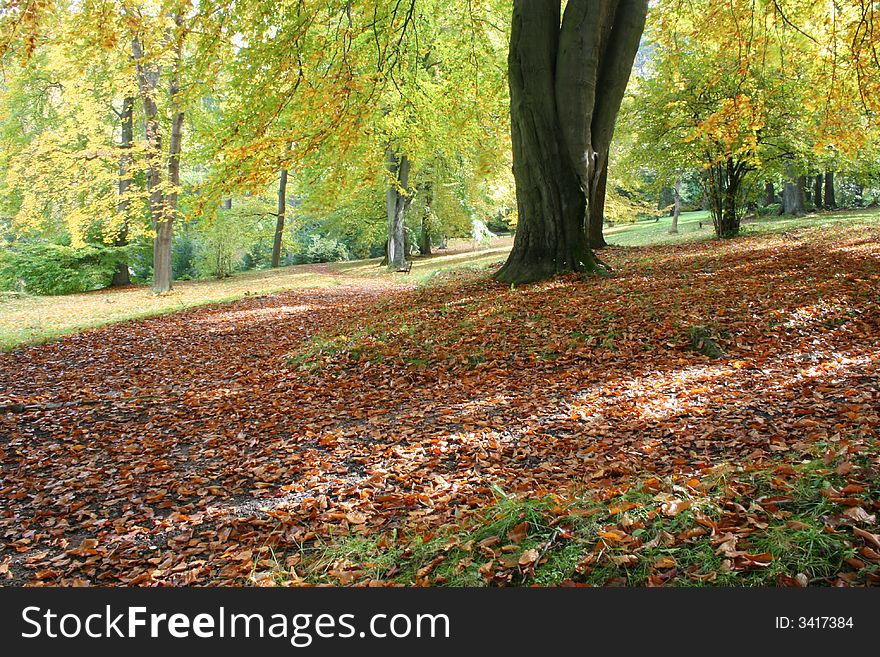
(26, 319)
(648, 232)
(673, 533)
(30, 319)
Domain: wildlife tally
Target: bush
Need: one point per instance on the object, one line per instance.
(769, 210)
(43, 268)
(225, 243)
(322, 249)
(183, 258)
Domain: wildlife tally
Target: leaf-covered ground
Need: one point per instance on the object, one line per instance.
(708, 414)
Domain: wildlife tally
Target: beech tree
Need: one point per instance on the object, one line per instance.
(567, 74)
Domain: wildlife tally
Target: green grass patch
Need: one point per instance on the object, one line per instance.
(777, 525)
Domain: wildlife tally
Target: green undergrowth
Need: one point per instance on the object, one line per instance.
(789, 524)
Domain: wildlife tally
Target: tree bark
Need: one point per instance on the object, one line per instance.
(769, 193)
(817, 191)
(425, 237)
(397, 200)
(793, 193)
(162, 202)
(595, 229)
(121, 276)
(279, 223)
(723, 181)
(162, 269)
(567, 76)
(676, 207)
(830, 203)
(148, 73)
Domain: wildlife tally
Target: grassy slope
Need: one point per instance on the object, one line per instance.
(30, 320)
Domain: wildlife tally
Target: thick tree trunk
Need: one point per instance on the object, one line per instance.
(817, 191)
(121, 276)
(567, 77)
(676, 207)
(769, 193)
(806, 190)
(793, 193)
(596, 236)
(279, 223)
(397, 201)
(830, 202)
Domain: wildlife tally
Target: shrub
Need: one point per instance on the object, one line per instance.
(769, 210)
(183, 258)
(43, 268)
(322, 249)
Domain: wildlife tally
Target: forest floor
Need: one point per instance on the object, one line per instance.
(708, 414)
(26, 319)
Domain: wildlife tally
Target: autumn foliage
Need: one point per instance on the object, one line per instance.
(265, 430)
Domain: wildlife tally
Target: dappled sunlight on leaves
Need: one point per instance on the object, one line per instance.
(209, 446)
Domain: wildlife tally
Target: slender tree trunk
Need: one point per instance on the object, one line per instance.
(121, 275)
(425, 237)
(148, 83)
(830, 203)
(397, 200)
(279, 223)
(676, 207)
(723, 183)
(597, 210)
(162, 269)
(769, 193)
(567, 76)
(793, 193)
(163, 206)
(817, 191)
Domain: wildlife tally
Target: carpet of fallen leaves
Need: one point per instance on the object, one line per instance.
(201, 447)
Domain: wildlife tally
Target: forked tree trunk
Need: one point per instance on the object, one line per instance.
(121, 276)
(567, 76)
(148, 83)
(723, 182)
(397, 200)
(596, 209)
(279, 223)
(830, 202)
(162, 202)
